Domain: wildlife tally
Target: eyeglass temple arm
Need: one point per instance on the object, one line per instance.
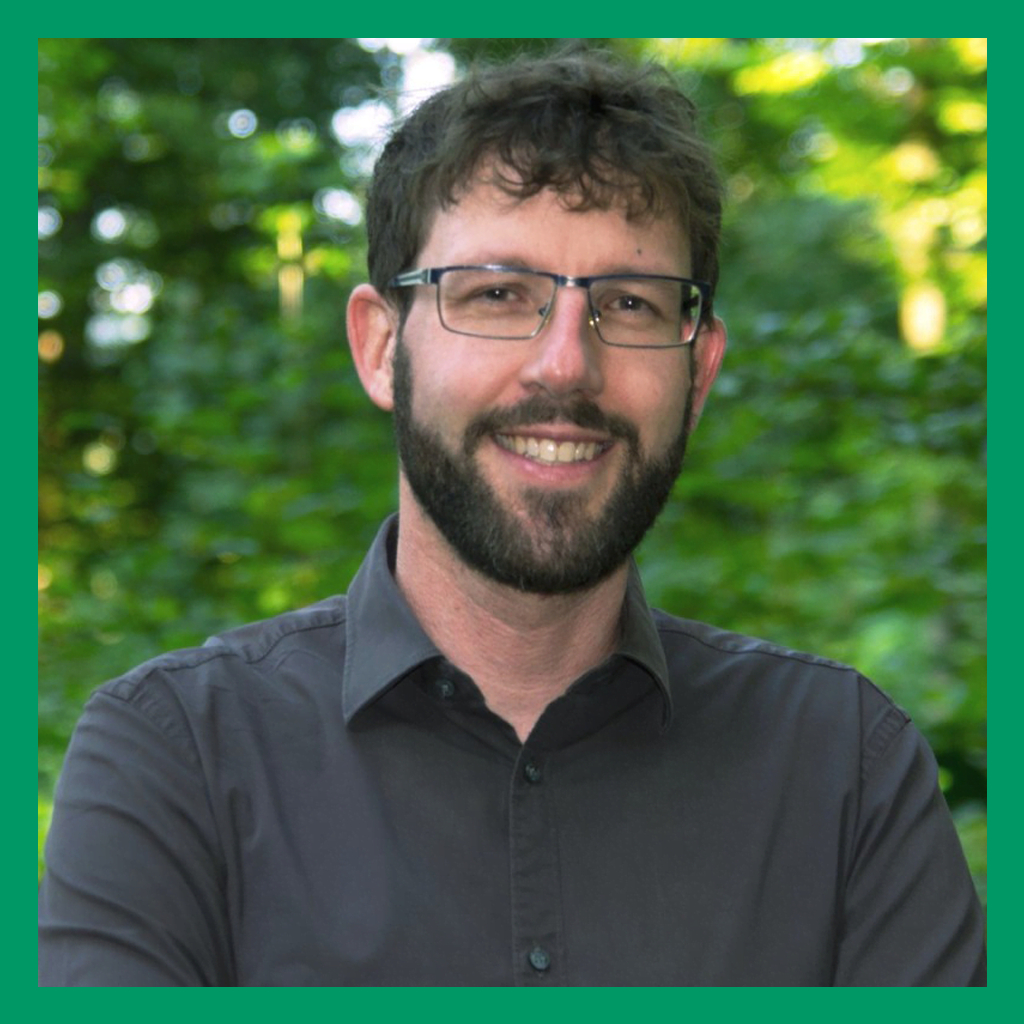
(412, 277)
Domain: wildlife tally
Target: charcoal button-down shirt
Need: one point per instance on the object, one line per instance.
(322, 799)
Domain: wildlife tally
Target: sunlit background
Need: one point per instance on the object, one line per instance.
(207, 456)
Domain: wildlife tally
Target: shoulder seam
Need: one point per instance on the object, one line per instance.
(136, 699)
(239, 651)
(766, 648)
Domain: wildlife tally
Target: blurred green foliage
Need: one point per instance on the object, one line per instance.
(207, 456)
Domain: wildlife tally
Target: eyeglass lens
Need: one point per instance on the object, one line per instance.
(511, 304)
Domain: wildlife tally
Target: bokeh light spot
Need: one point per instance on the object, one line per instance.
(845, 53)
(133, 298)
(398, 46)
(923, 316)
(968, 228)
(915, 161)
(118, 101)
(965, 116)
(363, 125)
(112, 274)
(99, 458)
(897, 81)
(424, 72)
(740, 187)
(114, 330)
(109, 225)
(973, 53)
(49, 221)
(103, 584)
(128, 288)
(297, 135)
(338, 204)
(242, 123)
(51, 346)
(50, 304)
(789, 72)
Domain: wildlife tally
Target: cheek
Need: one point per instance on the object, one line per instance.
(658, 405)
(456, 381)
(444, 397)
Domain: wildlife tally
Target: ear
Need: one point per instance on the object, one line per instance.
(372, 324)
(709, 348)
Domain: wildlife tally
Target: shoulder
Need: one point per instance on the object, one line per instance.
(720, 646)
(306, 628)
(247, 655)
(723, 643)
(733, 679)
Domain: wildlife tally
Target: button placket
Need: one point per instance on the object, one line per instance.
(533, 858)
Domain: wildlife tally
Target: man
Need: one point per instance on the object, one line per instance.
(493, 763)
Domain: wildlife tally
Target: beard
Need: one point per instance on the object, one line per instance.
(556, 547)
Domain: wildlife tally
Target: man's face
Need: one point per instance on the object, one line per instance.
(543, 462)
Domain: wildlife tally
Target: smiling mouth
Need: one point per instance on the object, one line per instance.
(551, 450)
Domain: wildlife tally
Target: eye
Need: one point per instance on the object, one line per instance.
(484, 288)
(631, 304)
(495, 293)
(628, 304)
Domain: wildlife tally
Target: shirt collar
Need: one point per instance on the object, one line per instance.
(385, 642)
(640, 641)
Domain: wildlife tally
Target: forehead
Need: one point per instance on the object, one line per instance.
(551, 230)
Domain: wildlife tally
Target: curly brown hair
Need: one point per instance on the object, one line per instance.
(599, 131)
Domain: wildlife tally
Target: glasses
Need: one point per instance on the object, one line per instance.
(506, 303)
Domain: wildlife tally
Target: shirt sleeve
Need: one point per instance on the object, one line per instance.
(133, 889)
(911, 916)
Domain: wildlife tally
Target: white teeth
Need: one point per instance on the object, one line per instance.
(548, 450)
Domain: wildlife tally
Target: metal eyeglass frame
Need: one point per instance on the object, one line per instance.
(433, 275)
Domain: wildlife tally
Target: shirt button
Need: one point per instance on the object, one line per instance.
(539, 959)
(445, 689)
(532, 772)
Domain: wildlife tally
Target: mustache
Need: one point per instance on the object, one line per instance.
(538, 410)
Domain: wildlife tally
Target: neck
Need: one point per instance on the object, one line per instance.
(486, 628)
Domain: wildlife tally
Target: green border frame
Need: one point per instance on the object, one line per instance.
(65, 20)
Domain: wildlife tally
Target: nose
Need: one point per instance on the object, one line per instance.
(566, 355)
